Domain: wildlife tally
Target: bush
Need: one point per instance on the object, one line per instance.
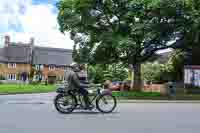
(34, 83)
(99, 73)
(191, 89)
(2, 77)
(136, 94)
(156, 72)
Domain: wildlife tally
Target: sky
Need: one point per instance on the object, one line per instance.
(23, 19)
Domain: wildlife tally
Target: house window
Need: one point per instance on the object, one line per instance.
(41, 67)
(57, 67)
(11, 76)
(36, 77)
(37, 67)
(51, 67)
(11, 65)
(43, 77)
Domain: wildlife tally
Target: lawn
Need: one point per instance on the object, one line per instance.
(136, 94)
(154, 96)
(17, 88)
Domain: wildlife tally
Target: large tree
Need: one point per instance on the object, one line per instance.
(128, 31)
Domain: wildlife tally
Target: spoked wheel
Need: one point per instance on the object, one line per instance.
(106, 103)
(65, 103)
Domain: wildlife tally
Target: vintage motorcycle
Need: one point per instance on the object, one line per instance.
(67, 101)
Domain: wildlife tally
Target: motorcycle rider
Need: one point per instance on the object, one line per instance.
(73, 82)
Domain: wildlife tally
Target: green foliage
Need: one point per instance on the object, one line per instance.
(118, 72)
(2, 77)
(136, 94)
(34, 83)
(171, 70)
(18, 76)
(155, 72)
(129, 31)
(114, 31)
(32, 72)
(114, 72)
(177, 60)
(25, 88)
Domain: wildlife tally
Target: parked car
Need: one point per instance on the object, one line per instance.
(118, 85)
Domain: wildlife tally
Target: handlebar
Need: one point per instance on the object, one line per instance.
(96, 85)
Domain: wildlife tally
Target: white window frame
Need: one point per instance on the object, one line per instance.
(12, 65)
(41, 67)
(57, 67)
(43, 77)
(12, 77)
(51, 67)
(61, 78)
(37, 67)
(37, 77)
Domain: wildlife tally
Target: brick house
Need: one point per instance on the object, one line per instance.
(18, 58)
(51, 62)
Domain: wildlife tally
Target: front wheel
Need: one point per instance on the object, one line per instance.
(106, 103)
(65, 103)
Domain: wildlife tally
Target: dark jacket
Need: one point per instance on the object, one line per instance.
(72, 80)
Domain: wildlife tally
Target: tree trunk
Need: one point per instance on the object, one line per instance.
(137, 81)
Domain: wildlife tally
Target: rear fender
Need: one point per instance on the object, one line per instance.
(61, 90)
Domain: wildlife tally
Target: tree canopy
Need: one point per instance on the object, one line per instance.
(128, 31)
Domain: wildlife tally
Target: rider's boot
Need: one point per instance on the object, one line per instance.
(88, 104)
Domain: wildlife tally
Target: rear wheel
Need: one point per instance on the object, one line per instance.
(106, 103)
(65, 103)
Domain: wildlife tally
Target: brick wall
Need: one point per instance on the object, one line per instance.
(58, 72)
(155, 88)
(5, 70)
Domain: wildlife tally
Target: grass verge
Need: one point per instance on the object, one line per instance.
(154, 96)
(19, 88)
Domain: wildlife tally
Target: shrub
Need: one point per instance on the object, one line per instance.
(2, 77)
(191, 89)
(34, 83)
(156, 72)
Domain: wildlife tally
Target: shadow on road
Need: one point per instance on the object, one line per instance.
(26, 103)
(89, 113)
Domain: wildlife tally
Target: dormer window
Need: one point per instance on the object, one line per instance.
(51, 67)
(11, 65)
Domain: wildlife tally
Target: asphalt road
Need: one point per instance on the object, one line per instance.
(36, 114)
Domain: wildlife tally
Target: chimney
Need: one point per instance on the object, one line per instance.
(7, 41)
(32, 40)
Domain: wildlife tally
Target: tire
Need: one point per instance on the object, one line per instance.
(102, 98)
(59, 106)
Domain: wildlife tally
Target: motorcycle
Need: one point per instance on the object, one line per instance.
(66, 101)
